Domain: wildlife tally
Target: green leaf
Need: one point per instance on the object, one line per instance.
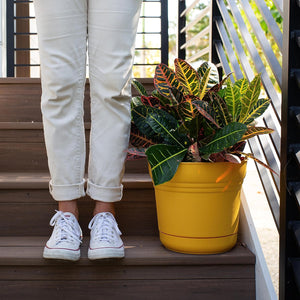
(225, 138)
(250, 98)
(213, 76)
(136, 101)
(221, 110)
(177, 96)
(232, 98)
(217, 87)
(167, 127)
(242, 85)
(139, 140)
(139, 115)
(188, 77)
(150, 101)
(191, 128)
(164, 161)
(139, 87)
(204, 84)
(164, 79)
(253, 131)
(187, 111)
(257, 110)
(163, 100)
(206, 111)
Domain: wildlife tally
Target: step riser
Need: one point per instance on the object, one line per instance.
(24, 150)
(28, 212)
(20, 102)
(30, 157)
(214, 289)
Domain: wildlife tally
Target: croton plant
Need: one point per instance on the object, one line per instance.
(192, 116)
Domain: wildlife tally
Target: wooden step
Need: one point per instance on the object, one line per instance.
(22, 148)
(26, 205)
(20, 99)
(148, 271)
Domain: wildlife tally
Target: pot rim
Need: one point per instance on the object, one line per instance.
(206, 163)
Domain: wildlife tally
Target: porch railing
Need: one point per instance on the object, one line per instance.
(246, 39)
(22, 50)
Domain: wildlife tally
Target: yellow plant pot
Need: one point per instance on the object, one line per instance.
(198, 210)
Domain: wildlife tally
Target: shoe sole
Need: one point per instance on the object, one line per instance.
(105, 253)
(61, 254)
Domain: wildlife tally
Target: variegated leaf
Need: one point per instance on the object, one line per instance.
(250, 98)
(203, 83)
(188, 77)
(167, 127)
(136, 153)
(240, 146)
(220, 107)
(242, 85)
(139, 87)
(217, 87)
(138, 139)
(191, 128)
(257, 110)
(250, 155)
(162, 99)
(139, 115)
(164, 161)
(232, 98)
(214, 74)
(177, 96)
(136, 101)
(164, 79)
(150, 101)
(206, 111)
(253, 131)
(225, 138)
(187, 110)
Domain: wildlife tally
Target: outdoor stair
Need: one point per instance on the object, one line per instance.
(149, 271)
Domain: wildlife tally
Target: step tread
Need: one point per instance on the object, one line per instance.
(140, 250)
(40, 180)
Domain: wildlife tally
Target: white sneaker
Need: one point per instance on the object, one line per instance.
(66, 237)
(105, 239)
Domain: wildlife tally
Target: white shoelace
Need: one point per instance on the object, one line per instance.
(66, 231)
(104, 227)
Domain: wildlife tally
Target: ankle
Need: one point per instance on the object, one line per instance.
(69, 206)
(101, 207)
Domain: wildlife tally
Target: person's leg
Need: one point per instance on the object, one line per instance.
(111, 34)
(62, 33)
(112, 29)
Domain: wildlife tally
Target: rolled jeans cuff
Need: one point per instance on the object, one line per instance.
(104, 194)
(67, 192)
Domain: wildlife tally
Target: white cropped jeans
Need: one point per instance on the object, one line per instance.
(66, 30)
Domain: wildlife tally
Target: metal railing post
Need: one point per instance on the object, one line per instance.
(214, 36)
(289, 272)
(164, 32)
(10, 51)
(181, 24)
